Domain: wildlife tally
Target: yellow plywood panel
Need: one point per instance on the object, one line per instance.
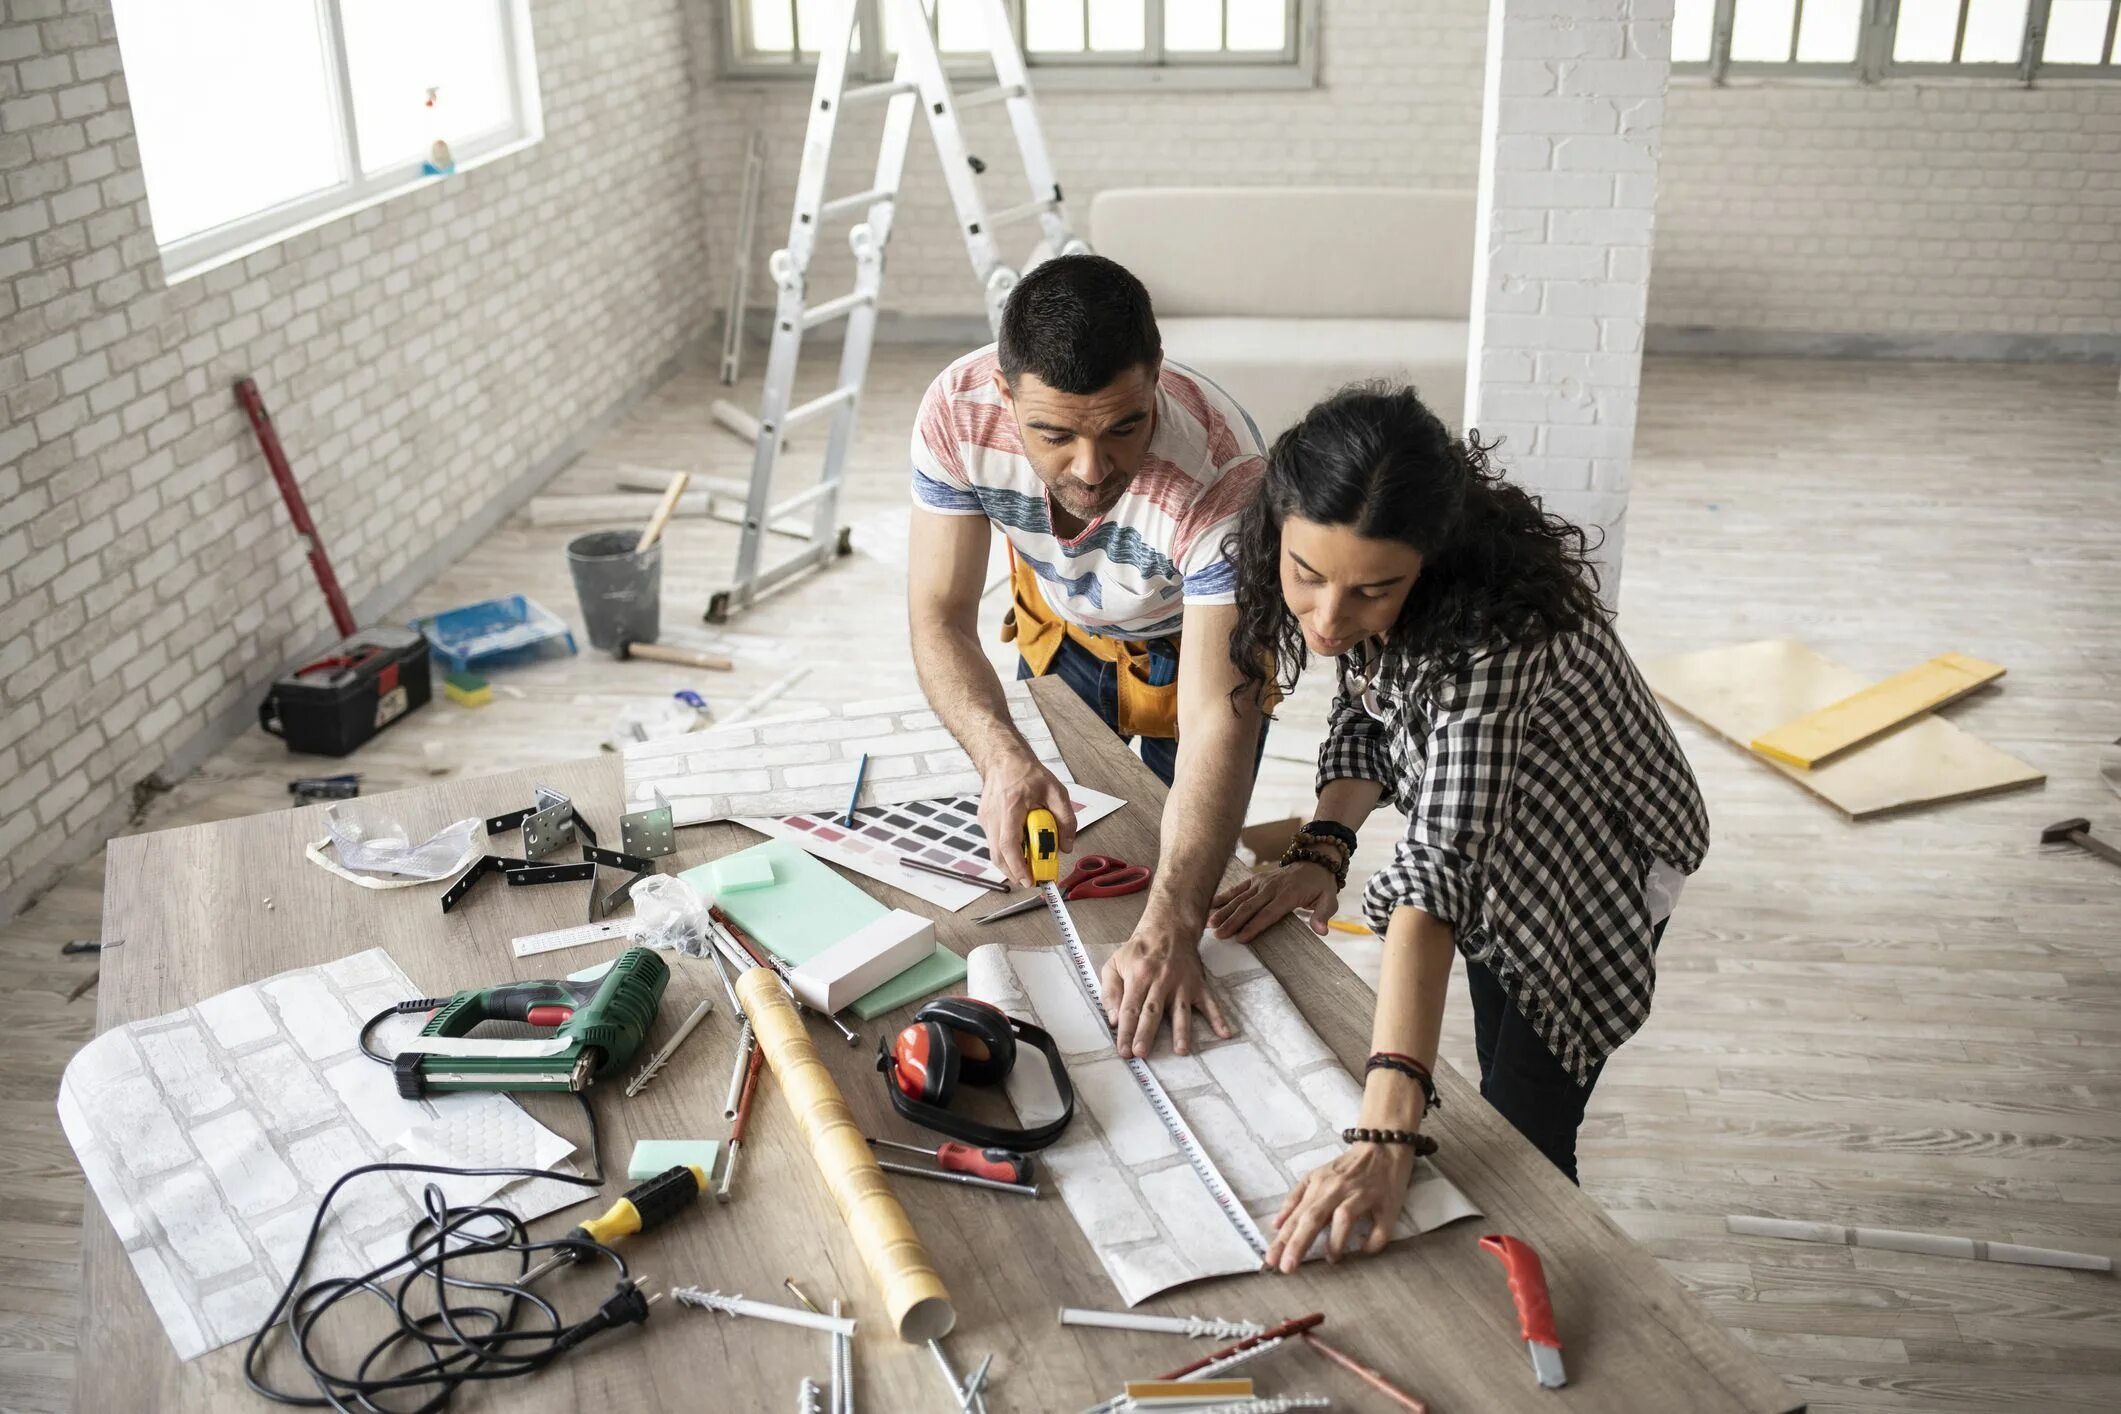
(1746, 691)
(1834, 728)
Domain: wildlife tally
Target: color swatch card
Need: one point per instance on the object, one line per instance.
(945, 833)
(809, 760)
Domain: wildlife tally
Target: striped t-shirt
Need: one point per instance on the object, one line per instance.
(1132, 571)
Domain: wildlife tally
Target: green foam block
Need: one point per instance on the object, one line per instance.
(809, 908)
(740, 874)
(654, 1156)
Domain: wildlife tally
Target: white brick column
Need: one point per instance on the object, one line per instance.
(1570, 129)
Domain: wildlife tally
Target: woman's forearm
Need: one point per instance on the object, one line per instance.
(1411, 987)
(1348, 801)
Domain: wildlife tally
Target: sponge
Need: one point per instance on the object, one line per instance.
(737, 874)
(467, 689)
(654, 1156)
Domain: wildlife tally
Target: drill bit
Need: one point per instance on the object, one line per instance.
(662, 1057)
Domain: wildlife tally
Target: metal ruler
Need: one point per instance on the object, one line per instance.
(574, 937)
(1152, 1089)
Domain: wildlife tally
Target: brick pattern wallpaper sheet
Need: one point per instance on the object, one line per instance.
(806, 761)
(210, 1134)
(1268, 1104)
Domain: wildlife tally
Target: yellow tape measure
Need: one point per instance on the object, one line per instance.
(1042, 846)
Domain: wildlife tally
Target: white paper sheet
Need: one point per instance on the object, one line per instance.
(805, 761)
(1268, 1104)
(943, 832)
(210, 1134)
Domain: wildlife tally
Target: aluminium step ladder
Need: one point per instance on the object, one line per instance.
(918, 79)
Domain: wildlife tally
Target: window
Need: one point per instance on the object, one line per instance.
(1873, 39)
(1176, 43)
(261, 118)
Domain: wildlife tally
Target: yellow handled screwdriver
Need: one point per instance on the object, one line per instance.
(646, 1205)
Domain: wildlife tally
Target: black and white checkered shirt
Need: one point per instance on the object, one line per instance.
(1538, 784)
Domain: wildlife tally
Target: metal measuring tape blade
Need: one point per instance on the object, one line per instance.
(1152, 1089)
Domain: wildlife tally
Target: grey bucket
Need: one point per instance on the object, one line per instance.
(621, 593)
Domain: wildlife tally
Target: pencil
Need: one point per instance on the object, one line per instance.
(1367, 1375)
(855, 799)
(907, 861)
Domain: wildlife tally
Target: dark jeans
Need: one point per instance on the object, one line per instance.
(1096, 682)
(1521, 1078)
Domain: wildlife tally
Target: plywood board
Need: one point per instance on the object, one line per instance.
(1747, 690)
(1826, 732)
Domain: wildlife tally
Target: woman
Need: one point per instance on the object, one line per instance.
(1550, 815)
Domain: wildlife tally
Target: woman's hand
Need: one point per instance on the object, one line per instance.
(1244, 911)
(1368, 1181)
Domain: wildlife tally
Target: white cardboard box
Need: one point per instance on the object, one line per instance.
(863, 961)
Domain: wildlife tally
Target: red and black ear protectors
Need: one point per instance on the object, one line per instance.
(961, 1041)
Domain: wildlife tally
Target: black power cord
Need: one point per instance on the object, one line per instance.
(461, 1339)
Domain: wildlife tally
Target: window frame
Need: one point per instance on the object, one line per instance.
(195, 254)
(1874, 62)
(1152, 67)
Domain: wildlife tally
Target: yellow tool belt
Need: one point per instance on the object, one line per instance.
(1145, 708)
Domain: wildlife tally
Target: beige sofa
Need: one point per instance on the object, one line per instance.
(1282, 294)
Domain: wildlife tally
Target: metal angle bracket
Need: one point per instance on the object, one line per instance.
(533, 874)
(617, 859)
(650, 833)
(548, 831)
(485, 864)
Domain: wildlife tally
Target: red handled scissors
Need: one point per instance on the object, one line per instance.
(1094, 876)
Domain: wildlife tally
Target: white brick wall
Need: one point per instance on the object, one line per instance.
(1948, 207)
(1574, 109)
(417, 357)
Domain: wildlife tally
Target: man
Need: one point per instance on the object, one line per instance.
(1115, 477)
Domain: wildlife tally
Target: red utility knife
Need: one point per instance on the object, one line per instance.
(1535, 1313)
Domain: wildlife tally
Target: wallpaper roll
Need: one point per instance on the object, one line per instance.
(914, 1297)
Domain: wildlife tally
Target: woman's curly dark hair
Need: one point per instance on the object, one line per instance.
(1496, 567)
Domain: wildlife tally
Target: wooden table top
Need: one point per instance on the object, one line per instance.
(1432, 1312)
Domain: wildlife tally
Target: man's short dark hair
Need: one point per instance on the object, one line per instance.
(1078, 322)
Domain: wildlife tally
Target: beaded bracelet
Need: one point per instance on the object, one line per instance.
(1411, 1068)
(1333, 830)
(1421, 1144)
(1301, 853)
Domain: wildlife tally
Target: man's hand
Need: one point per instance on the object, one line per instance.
(1008, 793)
(1245, 910)
(1157, 974)
(1367, 1183)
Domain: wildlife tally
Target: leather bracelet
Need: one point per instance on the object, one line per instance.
(1421, 1144)
(1411, 1068)
(1329, 830)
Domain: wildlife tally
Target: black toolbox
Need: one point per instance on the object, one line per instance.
(331, 706)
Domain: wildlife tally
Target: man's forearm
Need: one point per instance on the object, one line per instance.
(1202, 815)
(961, 686)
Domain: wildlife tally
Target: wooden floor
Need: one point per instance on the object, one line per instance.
(1914, 1022)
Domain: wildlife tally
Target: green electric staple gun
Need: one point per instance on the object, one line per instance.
(600, 1025)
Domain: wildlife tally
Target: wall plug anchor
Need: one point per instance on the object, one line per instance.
(1270, 1404)
(662, 1057)
(806, 1397)
(1215, 1368)
(762, 1310)
(1196, 1327)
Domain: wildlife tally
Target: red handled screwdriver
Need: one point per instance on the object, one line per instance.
(994, 1165)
